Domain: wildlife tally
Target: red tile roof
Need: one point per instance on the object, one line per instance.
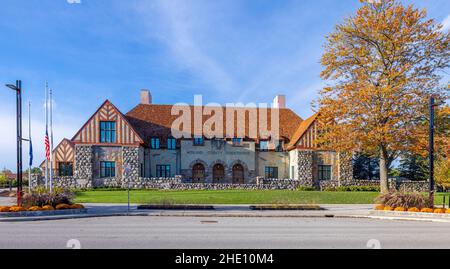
(156, 120)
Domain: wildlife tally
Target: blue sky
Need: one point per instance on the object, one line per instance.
(228, 51)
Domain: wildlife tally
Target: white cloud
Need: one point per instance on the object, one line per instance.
(62, 127)
(446, 24)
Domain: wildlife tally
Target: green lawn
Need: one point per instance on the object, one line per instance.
(228, 197)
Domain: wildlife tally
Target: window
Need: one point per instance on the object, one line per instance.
(263, 145)
(108, 132)
(65, 169)
(155, 143)
(279, 146)
(237, 141)
(271, 172)
(171, 143)
(107, 169)
(162, 170)
(324, 172)
(198, 141)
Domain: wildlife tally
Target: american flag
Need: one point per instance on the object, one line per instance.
(47, 146)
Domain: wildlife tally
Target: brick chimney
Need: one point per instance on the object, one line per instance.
(146, 97)
(279, 101)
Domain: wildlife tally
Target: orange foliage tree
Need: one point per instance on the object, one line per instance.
(383, 63)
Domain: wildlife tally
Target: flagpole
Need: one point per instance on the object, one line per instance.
(51, 141)
(46, 129)
(30, 163)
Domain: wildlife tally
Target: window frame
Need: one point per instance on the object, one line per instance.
(65, 165)
(107, 169)
(171, 143)
(196, 141)
(157, 144)
(271, 172)
(237, 141)
(163, 168)
(108, 132)
(266, 142)
(323, 173)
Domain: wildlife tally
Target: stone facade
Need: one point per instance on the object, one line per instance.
(83, 162)
(305, 166)
(130, 159)
(345, 166)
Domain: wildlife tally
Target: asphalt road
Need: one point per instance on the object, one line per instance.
(248, 233)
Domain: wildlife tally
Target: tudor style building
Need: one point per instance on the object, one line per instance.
(140, 144)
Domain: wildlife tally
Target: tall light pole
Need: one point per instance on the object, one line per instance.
(431, 150)
(432, 105)
(18, 89)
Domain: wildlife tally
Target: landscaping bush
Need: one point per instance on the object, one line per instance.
(41, 196)
(77, 206)
(427, 210)
(439, 211)
(305, 188)
(35, 208)
(48, 208)
(358, 188)
(4, 208)
(413, 209)
(17, 209)
(379, 207)
(405, 200)
(388, 208)
(62, 206)
(400, 209)
(447, 211)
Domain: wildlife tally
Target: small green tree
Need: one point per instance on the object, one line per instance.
(414, 167)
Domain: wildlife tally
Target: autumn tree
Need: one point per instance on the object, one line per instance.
(383, 63)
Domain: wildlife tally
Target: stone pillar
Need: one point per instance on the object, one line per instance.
(345, 167)
(83, 165)
(130, 158)
(305, 166)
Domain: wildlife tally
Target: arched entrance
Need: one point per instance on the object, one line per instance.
(218, 173)
(198, 173)
(238, 174)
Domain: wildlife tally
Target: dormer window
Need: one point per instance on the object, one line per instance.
(279, 146)
(237, 141)
(108, 132)
(263, 145)
(154, 143)
(171, 143)
(198, 141)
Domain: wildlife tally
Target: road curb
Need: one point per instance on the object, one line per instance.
(416, 216)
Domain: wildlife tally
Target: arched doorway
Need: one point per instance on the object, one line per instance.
(198, 173)
(218, 173)
(238, 174)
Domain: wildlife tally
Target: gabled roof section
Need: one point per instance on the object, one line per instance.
(301, 130)
(63, 152)
(155, 120)
(90, 132)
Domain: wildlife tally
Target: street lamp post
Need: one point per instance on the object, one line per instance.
(432, 105)
(18, 89)
(431, 150)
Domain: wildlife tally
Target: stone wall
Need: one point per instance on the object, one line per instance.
(177, 183)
